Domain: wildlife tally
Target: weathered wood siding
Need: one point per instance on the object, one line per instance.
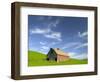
(62, 58)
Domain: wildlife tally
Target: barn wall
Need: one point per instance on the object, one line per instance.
(62, 58)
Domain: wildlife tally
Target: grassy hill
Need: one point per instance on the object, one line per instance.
(39, 59)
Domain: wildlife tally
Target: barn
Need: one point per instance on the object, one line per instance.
(57, 55)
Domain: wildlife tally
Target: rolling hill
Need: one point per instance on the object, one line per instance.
(39, 59)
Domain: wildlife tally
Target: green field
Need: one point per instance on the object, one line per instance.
(39, 59)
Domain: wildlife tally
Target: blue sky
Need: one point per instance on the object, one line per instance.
(67, 33)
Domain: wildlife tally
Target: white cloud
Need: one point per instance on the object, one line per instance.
(69, 45)
(45, 47)
(40, 31)
(82, 34)
(56, 23)
(81, 46)
(47, 32)
(53, 24)
(81, 56)
(78, 56)
(49, 25)
(74, 45)
(54, 35)
(43, 51)
(42, 43)
(72, 54)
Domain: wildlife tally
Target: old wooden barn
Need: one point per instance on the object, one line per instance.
(57, 55)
